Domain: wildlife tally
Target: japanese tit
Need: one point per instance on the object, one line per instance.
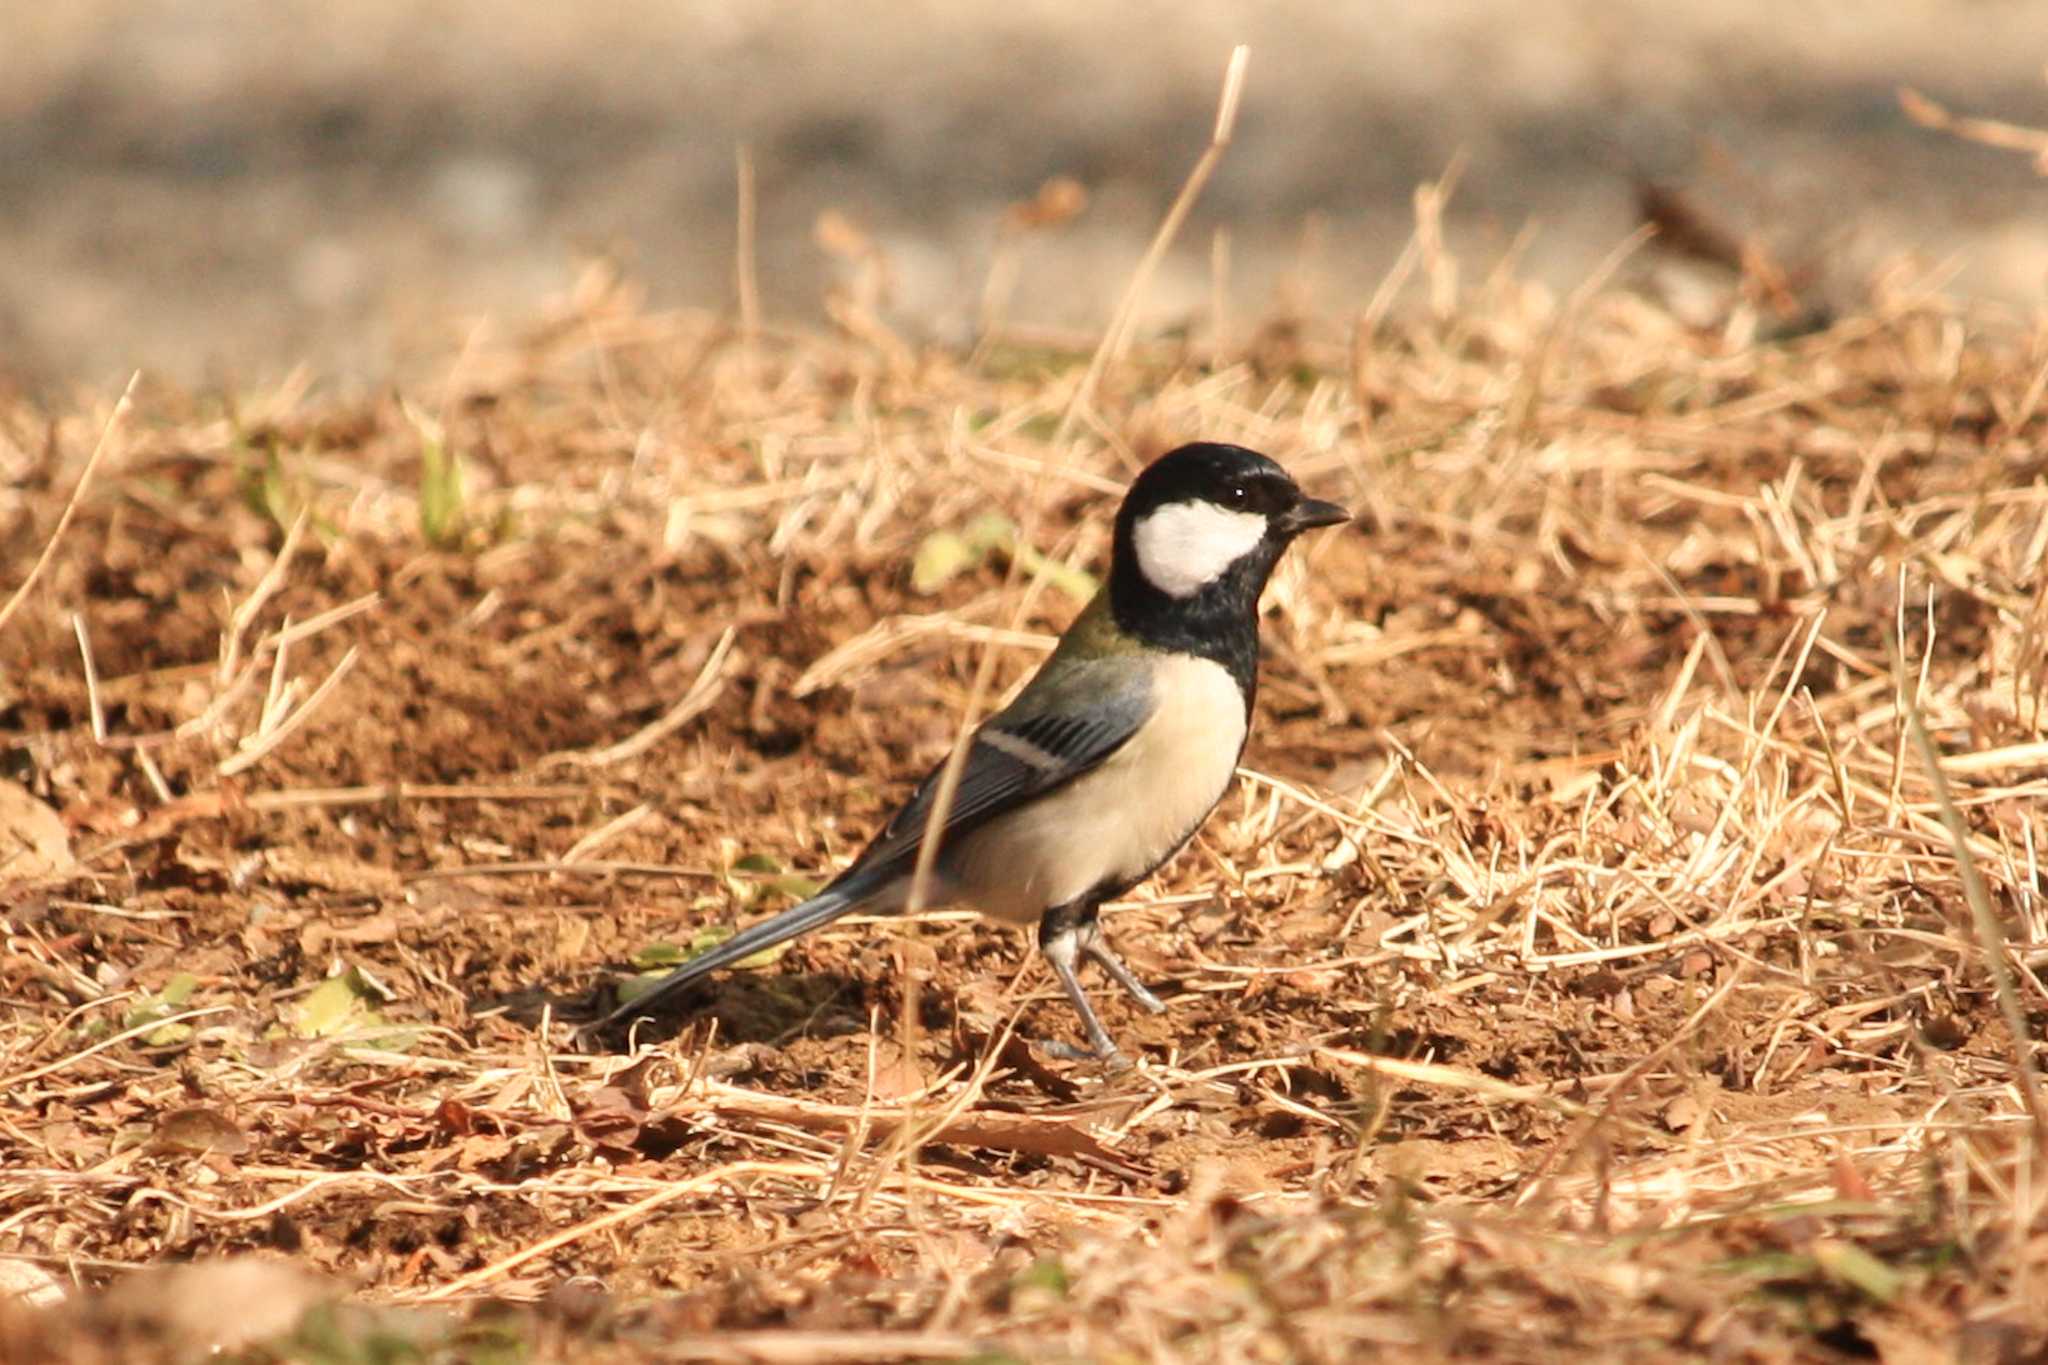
(1111, 757)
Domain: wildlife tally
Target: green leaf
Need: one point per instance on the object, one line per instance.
(705, 939)
(768, 876)
(941, 557)
(441, 483)
(332, 1007)
(440, 496)
(1772, 1265)
(944, 555)
(163, 1005)
(1047, 1273)
(1848, 1264)
(712, 935)
(659, 955)
(746, 889)
(765, 875)
(990, 531)
(339, 1009)
(753, 962)
(657, 960)
(1078, 584)
(273, 488)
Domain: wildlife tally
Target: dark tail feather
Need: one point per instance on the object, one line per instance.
(820, 909)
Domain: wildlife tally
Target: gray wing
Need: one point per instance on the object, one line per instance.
(1063, 725)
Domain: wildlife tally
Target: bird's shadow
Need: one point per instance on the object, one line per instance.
(750, 1007)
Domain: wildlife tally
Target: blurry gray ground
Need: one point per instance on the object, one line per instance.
(217, 189)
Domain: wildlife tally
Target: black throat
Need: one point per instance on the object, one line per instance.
(1219, 621)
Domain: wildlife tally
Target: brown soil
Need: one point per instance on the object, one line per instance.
(1584, 969)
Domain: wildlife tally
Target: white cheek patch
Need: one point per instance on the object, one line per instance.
(1184, 546)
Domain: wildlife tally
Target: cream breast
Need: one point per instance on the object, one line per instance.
(1118, 822)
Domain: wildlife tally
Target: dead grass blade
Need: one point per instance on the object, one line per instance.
(2011, 137)
(960, 1124)
(85, 475)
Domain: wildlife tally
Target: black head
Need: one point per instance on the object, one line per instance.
(1196, 539)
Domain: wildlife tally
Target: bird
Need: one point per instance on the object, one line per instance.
(1110, 757)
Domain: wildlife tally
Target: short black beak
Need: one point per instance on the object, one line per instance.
(1310, 513)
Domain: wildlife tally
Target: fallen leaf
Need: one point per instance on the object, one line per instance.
(319, 935)
(34, 845)
(165, 1003)
(198, 1131)
(896, 1074)
(28, 1284)
(330, 1007)
(1681, 1114)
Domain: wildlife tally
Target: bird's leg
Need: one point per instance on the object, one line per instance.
(1094, 945)
(1060, 939)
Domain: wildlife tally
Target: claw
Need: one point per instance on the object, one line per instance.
(1096, 947)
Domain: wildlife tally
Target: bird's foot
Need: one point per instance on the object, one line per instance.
(1096, 948)
(1063, 944)
(1112, 1060)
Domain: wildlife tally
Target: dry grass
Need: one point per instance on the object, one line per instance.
(1587, 962)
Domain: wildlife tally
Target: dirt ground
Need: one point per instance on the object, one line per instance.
(1588, 964)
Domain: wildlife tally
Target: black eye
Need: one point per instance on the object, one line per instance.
(1238, 495)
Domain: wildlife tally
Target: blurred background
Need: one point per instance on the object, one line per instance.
(218, 190)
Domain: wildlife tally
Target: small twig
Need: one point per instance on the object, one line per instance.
(303, 797)
(266, 742)
(2011, 137)
(8, 1085)
(92, 463)
(587, 867)
(810, 1346)
(894, 633)
(606, 832)
(279, 640)
(1219, 295)
(290, 634)
(1447, 1077)
(211, 805)
(244, 616)
(153, 775)
(2032, 755)
(275, 701)
(92, 679)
